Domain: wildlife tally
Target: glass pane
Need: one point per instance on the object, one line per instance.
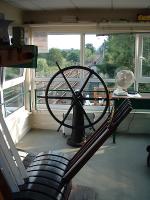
(109, 54)
(64, 49)
(13, 99)
(11, 73)
(92, 45)
(40, 91)
(144, 87)
(146, 56)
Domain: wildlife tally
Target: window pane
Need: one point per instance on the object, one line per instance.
(13, 99)
(92, 46)
(144, 87)
(40, 91)
(11, 73)
(146, 56)
(108, 54)
(64, 49)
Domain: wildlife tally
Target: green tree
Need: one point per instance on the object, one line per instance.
(146, 57)
(43, 55)
(118, 53)
(42, 67)
(90, 54)
(90, 47)
(53, 56)
(119, 50)
(108, 69)
(42, 64)
(89, 57)
(73, 56)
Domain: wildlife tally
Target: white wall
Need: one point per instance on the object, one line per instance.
(11, 13)
(136, 122)
(43, 120)
(18, 124)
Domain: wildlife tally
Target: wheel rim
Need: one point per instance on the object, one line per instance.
(91, 73)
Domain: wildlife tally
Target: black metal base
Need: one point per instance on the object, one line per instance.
(75, 144)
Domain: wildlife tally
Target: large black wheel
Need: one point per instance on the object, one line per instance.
(74, 91)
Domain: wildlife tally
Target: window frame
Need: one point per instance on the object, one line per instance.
(138, 62)
(5, 84)
(99, 29)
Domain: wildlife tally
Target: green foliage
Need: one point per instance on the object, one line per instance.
(42, 64)
(73, 56)
(42, 68)
(116, 52)
(144, 87)
(89, 57)
(11, 73)
(55, 55)
(119, 50)
(146, 68)
(109, 69)
(146, 57)
(90, 47)
(43, 55)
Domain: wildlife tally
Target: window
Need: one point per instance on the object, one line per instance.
(64, 49)
(116, 53)
(61, 48)
(108, 54)
(145, 58)
(105, 54)
(94, 49)
(144, 87)
(12, 95)
(11, 73)
(13, 99)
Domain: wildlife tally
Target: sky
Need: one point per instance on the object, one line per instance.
(73, 41)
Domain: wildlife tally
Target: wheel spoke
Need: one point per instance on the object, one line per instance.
(54, 97)
(66, 80)
(73, 93)
(66, 115)
(85, 83)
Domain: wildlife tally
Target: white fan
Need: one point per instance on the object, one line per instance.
(124, 79)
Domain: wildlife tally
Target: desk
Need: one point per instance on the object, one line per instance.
(142, 102)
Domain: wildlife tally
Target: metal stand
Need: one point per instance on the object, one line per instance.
(78, 96)
(78, 131)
